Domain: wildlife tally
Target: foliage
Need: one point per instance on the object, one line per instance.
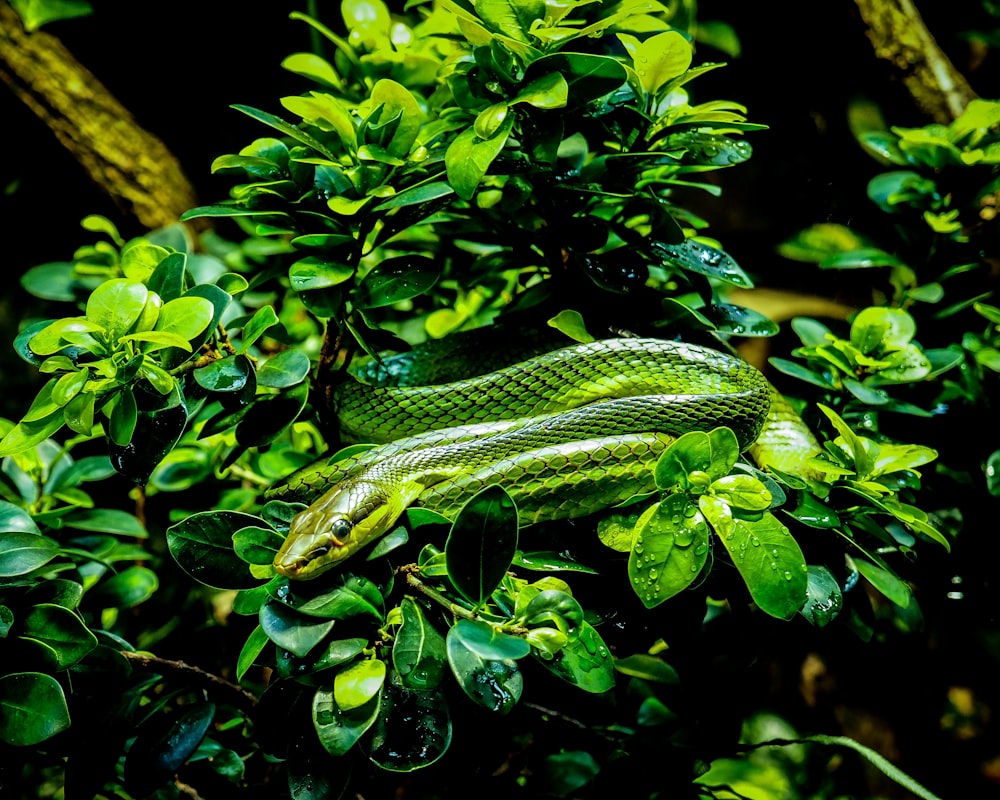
(461, 164)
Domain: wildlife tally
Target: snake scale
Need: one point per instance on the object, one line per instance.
(567, 433)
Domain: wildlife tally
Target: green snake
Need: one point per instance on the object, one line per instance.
(567, 433)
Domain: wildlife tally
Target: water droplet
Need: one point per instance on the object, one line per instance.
(755, 541)
(774, 553)
(774, 566)
(788, 575)
(694, 567)
(676, 519)
(653, 572)
(701, 549)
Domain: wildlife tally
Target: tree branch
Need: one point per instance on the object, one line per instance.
(239, 697)
(899, 35)
(131, 165)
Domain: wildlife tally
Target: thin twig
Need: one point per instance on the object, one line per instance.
(239, 697)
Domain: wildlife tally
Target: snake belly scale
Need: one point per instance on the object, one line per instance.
(567, 433)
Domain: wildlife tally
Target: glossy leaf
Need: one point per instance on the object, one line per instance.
(885, 582)
(356, 685)
(469, 157)
(338, 730)
(418, 651)
(696, 459)
(115, 305)
(32, 708)
(487, 642)
(60, 629)
(22, 552)
(824, 599)
(494, 685)
(15, 518)
(670, 547)
(585, 662)
(293, 631)
(395, 280)
(283, 370)
(771, 564)
(413, 729)
(481, 543)
(202, 545)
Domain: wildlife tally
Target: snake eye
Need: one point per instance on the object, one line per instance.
(340, 529)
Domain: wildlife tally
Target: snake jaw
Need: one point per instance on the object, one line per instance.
(326, 533)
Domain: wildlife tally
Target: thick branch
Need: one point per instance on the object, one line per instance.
(899, 35)
(126, 161)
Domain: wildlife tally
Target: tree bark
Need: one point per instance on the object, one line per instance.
(899, 35)
(131, 165)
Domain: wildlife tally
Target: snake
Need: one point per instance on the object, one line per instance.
(567, 432)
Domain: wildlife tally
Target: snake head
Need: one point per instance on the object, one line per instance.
(347, 517)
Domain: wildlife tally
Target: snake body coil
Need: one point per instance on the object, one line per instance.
(567, 433)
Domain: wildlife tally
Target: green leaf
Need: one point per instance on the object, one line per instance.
(494, 685)
(696, 459)
(263, 319)
(338, 730)
(115, 305)
(512, 18)
(22, 552)
(129, 588)
(106, 520)
(32, 708)
(659, 58)
(885, 582)
(489, 643)
(292, 631)
(139, 259)
(469, 157)
(36, 13)
(284, 127)
(670, 547)
(481, 543)
(186, 317)
(229, 374)
(396, 103)
(771, 564)
(546, 91)
(585, 662)
(823, 597)
(60, 629)
(202, 545)
(588, 77)
(121, 424)
(742, 491)
(571, 323)
(284, 370)
(703, 259)
(357, 684)
(257, 545)
(313, 272)
(251, 650)
(413, 729)
(14, 518)
(418, 651)
(396, 279)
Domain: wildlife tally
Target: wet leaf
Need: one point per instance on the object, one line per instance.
(418, 651)
(494, 685)
(413, 729)
(771, 564)
(482, 543)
